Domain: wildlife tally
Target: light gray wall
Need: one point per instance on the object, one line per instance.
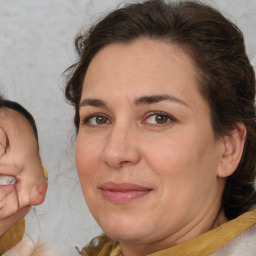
(36, 45)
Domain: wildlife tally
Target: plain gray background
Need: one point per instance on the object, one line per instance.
(36, 46)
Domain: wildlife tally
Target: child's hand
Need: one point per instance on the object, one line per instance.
(26, 188)
(16, 199)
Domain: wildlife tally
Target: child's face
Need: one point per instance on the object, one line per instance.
(19, 157)
(19, 147)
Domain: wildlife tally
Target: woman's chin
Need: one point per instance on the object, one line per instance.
(124, 235)
(124, 229)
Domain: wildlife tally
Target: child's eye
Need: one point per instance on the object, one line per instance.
(96, 120)
(159, 119)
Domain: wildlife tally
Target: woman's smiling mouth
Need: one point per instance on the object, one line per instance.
(121, 193)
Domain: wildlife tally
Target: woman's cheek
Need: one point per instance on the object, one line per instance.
(85, 161)
(166, 157)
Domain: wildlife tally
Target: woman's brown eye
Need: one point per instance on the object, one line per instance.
(97, 120)
(101, 120)
(161, 119)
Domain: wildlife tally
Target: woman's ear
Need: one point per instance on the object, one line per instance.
(232, 151)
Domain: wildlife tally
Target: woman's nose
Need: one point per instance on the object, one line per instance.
(121, 148)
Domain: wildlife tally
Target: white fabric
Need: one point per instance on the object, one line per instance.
(242, 245)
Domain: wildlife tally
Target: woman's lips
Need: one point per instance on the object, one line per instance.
(123, 192)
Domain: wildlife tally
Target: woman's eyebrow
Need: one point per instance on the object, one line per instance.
(140, 101)
(157, 98)
(93, 103)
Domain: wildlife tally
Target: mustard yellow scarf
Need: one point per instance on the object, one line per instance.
(202, 245)
(12, 237)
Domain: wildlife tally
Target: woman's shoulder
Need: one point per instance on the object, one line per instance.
(101, 246)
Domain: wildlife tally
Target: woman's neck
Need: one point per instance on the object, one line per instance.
(135, 248)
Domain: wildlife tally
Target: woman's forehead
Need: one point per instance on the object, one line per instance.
(142, 52)
(143, 67)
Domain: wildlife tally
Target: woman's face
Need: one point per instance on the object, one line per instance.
(146, 154)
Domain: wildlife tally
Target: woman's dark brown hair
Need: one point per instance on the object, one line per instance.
(225, 76)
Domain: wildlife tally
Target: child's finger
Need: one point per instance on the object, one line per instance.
(9, 204)
(38, 193)
(5, 190)
(32, 190)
